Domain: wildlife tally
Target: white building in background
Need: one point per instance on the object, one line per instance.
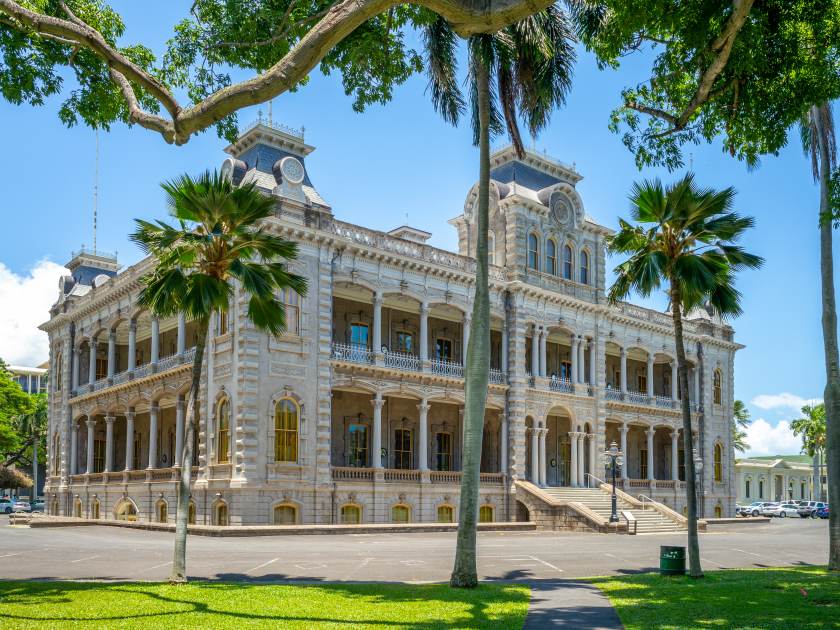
(32, 380)
(775, 478)
(355, 413)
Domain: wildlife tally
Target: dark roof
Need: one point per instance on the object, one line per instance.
(263, 157)
(523, 174)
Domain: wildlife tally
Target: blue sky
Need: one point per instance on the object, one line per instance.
(398, 161)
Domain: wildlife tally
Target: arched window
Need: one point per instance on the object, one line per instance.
(126, 511)
(491, 248)
(223, 431)
(718, 462)
(291, 303)
(485, 514)
(351, 514)
(221, 322)
(551, 257)
(161, 511)
(286, 416)
(718, 511)
(285, 514)
(77, 508)
(94, 509)
(57, 373)
(717, 388)
(56, 453)
(220, 514)
(191, 514)
(584, 267)
(445, 514)
(400, 514)
(568, 267)
(533, 252)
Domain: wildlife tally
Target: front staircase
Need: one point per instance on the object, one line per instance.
(648, 521)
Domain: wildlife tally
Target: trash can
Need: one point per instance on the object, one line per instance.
(671, 560)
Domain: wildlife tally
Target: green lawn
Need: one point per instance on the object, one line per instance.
(224, 605)
(760, 598)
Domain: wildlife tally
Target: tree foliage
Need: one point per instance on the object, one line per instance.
(740, 421)
(14, 404)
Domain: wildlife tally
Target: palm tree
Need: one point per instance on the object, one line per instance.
(812, 428)
(819, 141)
(217, 241)
(525, 68)
(685, 240)
(740, 421)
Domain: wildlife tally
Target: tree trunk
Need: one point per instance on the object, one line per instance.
(464, 573)
(694, 568)
(816, 495)
(34, 493)
(829, 329)
(191, 416)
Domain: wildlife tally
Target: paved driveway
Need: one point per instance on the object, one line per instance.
(122, 554)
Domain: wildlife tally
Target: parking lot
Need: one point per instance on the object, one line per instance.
(95, 552)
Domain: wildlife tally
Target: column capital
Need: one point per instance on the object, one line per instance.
(109, 419)
(132, 324)
(129, 413)
(625, 428)
(181, 402)
(154, 407)
(650, 431)
(622, 351)
(424, 308)
(378, 298)
(378, 401)
(423, 406)
(651, 358)
(112, 334)
(91, 423)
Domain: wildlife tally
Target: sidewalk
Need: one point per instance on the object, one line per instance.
(569, 604)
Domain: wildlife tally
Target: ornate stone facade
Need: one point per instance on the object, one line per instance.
(355, 413)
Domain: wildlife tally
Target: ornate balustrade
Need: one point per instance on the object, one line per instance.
(352, 353)
(497, 377)
(612, 394)
(492, 479)
(638, 398)
(396, 475)
(443, 367)
(135, 475)
(351, 473)
(665, 401)
(637, 483)
(391, 474)
(402, 361)
(661, 484)
(444, 476)
(561, 385)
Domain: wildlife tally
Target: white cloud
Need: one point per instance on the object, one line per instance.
(785, 400)
(25, 301)
(769, 440)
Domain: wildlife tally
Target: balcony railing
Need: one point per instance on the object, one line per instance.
(664, 401)
(443, 367)
(399, 475)
(141, 371)
(352, 353)
(102, 383)
(402, 361)
(561, 385)
(445, 476)
(497, 377)
(638, 398)
(613, 394)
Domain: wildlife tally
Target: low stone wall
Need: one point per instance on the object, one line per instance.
(753, 520)
(280, 530)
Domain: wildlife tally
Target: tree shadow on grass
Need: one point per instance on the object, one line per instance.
(206, 602)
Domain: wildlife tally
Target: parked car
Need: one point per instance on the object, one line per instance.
(807, 510)
(779, 509)
(753, 509)
(821, 512)
(21, 506)
(6, 506)
(37, 505)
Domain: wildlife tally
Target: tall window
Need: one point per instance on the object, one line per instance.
(402, 449)
(443, 349)
(291, 303)
(718, 462)
(485, 514)
(567, 262)
(717, 390)
(220, 514)
(443, 451)
(223, 431)
(445, 514)
(101, 367)
(56, 453)
(405, 342)
(162, 515)
(286, 416)
(641, 382)
(222, 322)
(584, 268)
(359, 335)
(760, 488)
(747, 489)
(643, 459)
(285, 515)
(551, 257)
(400, 514)
(351, 515)
(357, 449)
(681, 465)
(98, 455)
(56, 379)
(191, 514)
(533, 252)
(491, 248)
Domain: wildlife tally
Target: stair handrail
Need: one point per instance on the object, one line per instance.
(663, 509)
(594, 478)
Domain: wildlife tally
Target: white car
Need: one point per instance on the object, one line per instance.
(7, 506)
(781, 510)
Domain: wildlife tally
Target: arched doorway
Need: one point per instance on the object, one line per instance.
(558, 448)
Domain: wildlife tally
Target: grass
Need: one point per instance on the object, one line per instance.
(226, 605)
(795, 597)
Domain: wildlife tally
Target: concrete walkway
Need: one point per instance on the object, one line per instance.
(569, 604)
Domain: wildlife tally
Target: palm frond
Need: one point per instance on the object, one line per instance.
(442, 67)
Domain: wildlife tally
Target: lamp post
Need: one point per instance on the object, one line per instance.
(613, 458)
(698, 479)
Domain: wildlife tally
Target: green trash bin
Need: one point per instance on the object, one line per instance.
(671, 560)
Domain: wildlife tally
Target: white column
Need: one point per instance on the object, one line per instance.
(574, 467)
(153, 436)
(112, 352)
(109, 443)
(581, 360)
(424, 332)
(593, 363)
(75, 356)
(650, 433)
(535, 456)
(180, 406)
(466, 336)
(503, 443)
(535, 352)
(423, 447)
(376, 439)
(623, 355)
(625, 428)
(132, 344)
(543, 352)
(593, 457)
(91, 425)
(674, 380)
(182, 333)
(92, 364)
(650, 376)
(696, 399)
(377, 323)
(573, 357)
(543, 475)
(504, 362)
(675, 460)
(581, 459)
(74, 449)
(155, 339)
(129, 438)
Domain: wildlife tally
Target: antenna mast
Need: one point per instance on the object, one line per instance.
(96, 189)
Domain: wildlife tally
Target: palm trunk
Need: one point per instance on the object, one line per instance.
(694, 568)
(179, 560)
(464, 573)
(829, 329)
(34, 492)
(816, 495)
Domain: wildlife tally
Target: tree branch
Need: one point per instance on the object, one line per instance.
(137, 114)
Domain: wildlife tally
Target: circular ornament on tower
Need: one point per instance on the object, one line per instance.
(292, 170)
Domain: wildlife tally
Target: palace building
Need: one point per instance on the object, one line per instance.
(355, 414)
